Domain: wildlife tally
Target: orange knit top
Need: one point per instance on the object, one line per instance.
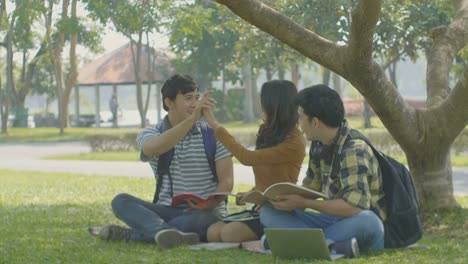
(280, 163)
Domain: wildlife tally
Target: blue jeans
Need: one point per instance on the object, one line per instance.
(146, 219)
(365, 226)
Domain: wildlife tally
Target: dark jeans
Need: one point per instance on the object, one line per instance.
(146, 219)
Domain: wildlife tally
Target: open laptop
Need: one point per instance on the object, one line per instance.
(299, 243)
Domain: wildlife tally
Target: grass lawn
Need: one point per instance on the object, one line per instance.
(457, 161)
(79, 133)
(45, 217)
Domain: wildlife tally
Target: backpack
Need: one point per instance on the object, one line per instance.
(164, 161)
(403, 225)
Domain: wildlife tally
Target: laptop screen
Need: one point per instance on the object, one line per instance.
(298, 243)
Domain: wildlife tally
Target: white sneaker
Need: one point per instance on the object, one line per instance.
(169, 238)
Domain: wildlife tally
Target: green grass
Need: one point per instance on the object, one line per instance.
(79, 133)
(45, 217)
(52, 134)
(457, 161)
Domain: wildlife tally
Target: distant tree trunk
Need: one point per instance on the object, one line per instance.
(3, 109)
(10, 82)
(136, 58)
(392, 68)
(337, 83)
(281, 72)
(257, 109)
(295, 74)
(248, 106)
(326, 76)
(366, 114)
(269, 73)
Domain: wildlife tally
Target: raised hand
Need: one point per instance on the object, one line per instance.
(205, 102)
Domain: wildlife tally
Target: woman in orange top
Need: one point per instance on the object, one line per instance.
(278, 156)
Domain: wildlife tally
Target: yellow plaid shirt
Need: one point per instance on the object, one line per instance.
(356, 177)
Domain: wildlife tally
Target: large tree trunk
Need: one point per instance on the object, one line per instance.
(447, 112)
(432, 172)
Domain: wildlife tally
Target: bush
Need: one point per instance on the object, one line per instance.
(382, 140)
(106, 143)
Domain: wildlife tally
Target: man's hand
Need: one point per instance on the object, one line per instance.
(289, 202)
(205, 102)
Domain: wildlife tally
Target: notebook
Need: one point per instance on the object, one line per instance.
(299, 243)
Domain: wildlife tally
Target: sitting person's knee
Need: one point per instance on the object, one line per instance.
(119, 199)
(213, 234)
(237, 232)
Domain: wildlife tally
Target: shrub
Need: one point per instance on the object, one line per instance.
(105, 143)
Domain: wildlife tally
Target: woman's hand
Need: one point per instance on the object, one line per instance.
(210, 118)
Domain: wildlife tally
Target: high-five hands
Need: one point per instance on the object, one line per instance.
(207, 112)
(205, 102)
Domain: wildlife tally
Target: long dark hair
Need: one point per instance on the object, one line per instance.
(277, 99)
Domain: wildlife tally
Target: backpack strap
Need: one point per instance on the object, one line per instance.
(209, 141)
(164, 161)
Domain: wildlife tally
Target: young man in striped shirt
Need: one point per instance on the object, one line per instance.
(189, 172)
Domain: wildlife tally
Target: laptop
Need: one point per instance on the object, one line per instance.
(299, 243)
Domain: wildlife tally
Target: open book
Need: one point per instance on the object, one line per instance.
(182, 198)
(271, 192)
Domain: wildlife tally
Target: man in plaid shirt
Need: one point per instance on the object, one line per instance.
(345, 170)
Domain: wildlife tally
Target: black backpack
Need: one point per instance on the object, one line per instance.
(209, 141)
(403, 225)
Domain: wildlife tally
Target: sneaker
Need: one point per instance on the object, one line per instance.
(169, 238)
(112, 232)
(349, 248)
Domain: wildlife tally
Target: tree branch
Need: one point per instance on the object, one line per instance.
(447, 42)
(364, 19)
(454, 109)
(306, 42)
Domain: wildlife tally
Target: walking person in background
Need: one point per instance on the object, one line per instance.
(114, 107)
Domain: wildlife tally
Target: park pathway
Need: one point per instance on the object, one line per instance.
(27, 157)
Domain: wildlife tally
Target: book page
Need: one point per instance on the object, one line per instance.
(289, 188)
(255, 197)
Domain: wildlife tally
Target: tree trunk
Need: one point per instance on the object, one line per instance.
(137, 69)
(447, 112)
(432, 172)
(337, 83)
(295, 74)
(326, 76)
(3, 109)
(366, 114)
(248, 106)
(281, 72)
(392, 68)
(269, 73)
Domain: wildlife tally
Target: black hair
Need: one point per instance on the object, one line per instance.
(322, 102)
(178, 83)
(277, 100)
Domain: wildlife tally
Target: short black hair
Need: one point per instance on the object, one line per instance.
(322, 102)
(178, 83)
